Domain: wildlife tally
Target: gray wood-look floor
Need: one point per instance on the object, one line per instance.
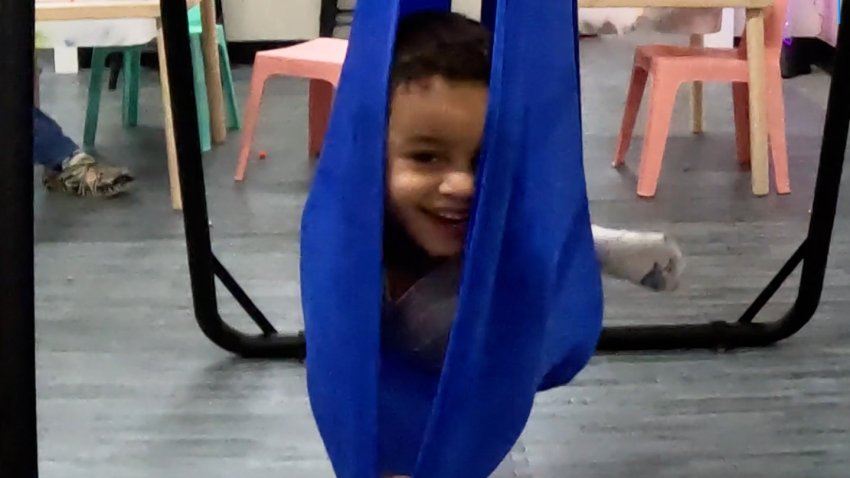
(129, 387)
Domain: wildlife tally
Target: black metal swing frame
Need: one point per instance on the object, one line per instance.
(744, 332)
(18, 435)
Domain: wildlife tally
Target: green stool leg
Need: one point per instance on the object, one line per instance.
(98, 65)
(201, 101)
(234, 120)
(132, 69)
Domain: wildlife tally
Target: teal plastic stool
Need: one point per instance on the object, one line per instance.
(132, 66)
(130, 102)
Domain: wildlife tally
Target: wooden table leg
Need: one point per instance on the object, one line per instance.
(758, 107)
(170, 144)
(212, 73)
(696, 41)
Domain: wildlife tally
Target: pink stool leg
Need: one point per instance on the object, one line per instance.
(321, 100)
(252, 114)
(740, 104)
(776, 130)
(661, 100)
(633, 99)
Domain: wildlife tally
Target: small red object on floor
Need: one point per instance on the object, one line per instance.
(263, 155)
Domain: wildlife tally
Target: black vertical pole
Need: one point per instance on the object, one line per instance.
(833, 151)
(175, 26)
(18, 443)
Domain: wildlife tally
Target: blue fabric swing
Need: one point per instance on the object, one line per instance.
(530, 305)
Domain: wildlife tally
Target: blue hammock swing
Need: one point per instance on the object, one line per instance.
(530, 303)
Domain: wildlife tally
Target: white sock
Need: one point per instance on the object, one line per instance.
(648, 259)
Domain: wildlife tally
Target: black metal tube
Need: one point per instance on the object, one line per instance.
(202, 262)
(242, 298)
(275, 346)
(813, 252)
(828, 184)
(278, 346)
(774, 285)
(827, 188)
(714, 335)
(18, 437)
(175, 26)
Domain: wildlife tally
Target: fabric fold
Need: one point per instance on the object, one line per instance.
(530, 300)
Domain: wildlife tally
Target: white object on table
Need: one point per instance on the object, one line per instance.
(271, 20)
(725, 37)
(95, 33)
(65, 60)
(65, 37)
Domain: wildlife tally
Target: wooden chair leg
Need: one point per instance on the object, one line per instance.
(759, 167)
(696, 41)
(170, 142)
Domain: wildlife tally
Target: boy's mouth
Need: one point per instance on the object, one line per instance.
(452, 216)
(455, 220)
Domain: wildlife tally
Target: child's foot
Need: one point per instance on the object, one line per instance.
(648, 259)
(82, 175)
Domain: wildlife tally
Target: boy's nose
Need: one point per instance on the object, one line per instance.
(459, 184)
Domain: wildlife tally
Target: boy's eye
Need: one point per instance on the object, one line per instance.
(423, 157)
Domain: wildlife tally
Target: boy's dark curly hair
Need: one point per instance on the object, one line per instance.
(439, 43)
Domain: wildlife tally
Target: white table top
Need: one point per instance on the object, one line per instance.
(55, 10)
(88, 23)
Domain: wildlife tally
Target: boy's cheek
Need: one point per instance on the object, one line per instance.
(403, 182)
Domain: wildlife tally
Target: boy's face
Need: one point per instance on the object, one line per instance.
(433, 138)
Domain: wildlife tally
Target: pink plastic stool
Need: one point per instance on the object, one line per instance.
(318, 60)
(669, 66)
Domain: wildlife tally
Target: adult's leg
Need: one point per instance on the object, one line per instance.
(69, 169)
(50, 145)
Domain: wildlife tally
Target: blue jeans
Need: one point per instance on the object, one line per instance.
(50, 145)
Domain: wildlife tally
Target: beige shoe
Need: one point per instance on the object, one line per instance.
(84, 176)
